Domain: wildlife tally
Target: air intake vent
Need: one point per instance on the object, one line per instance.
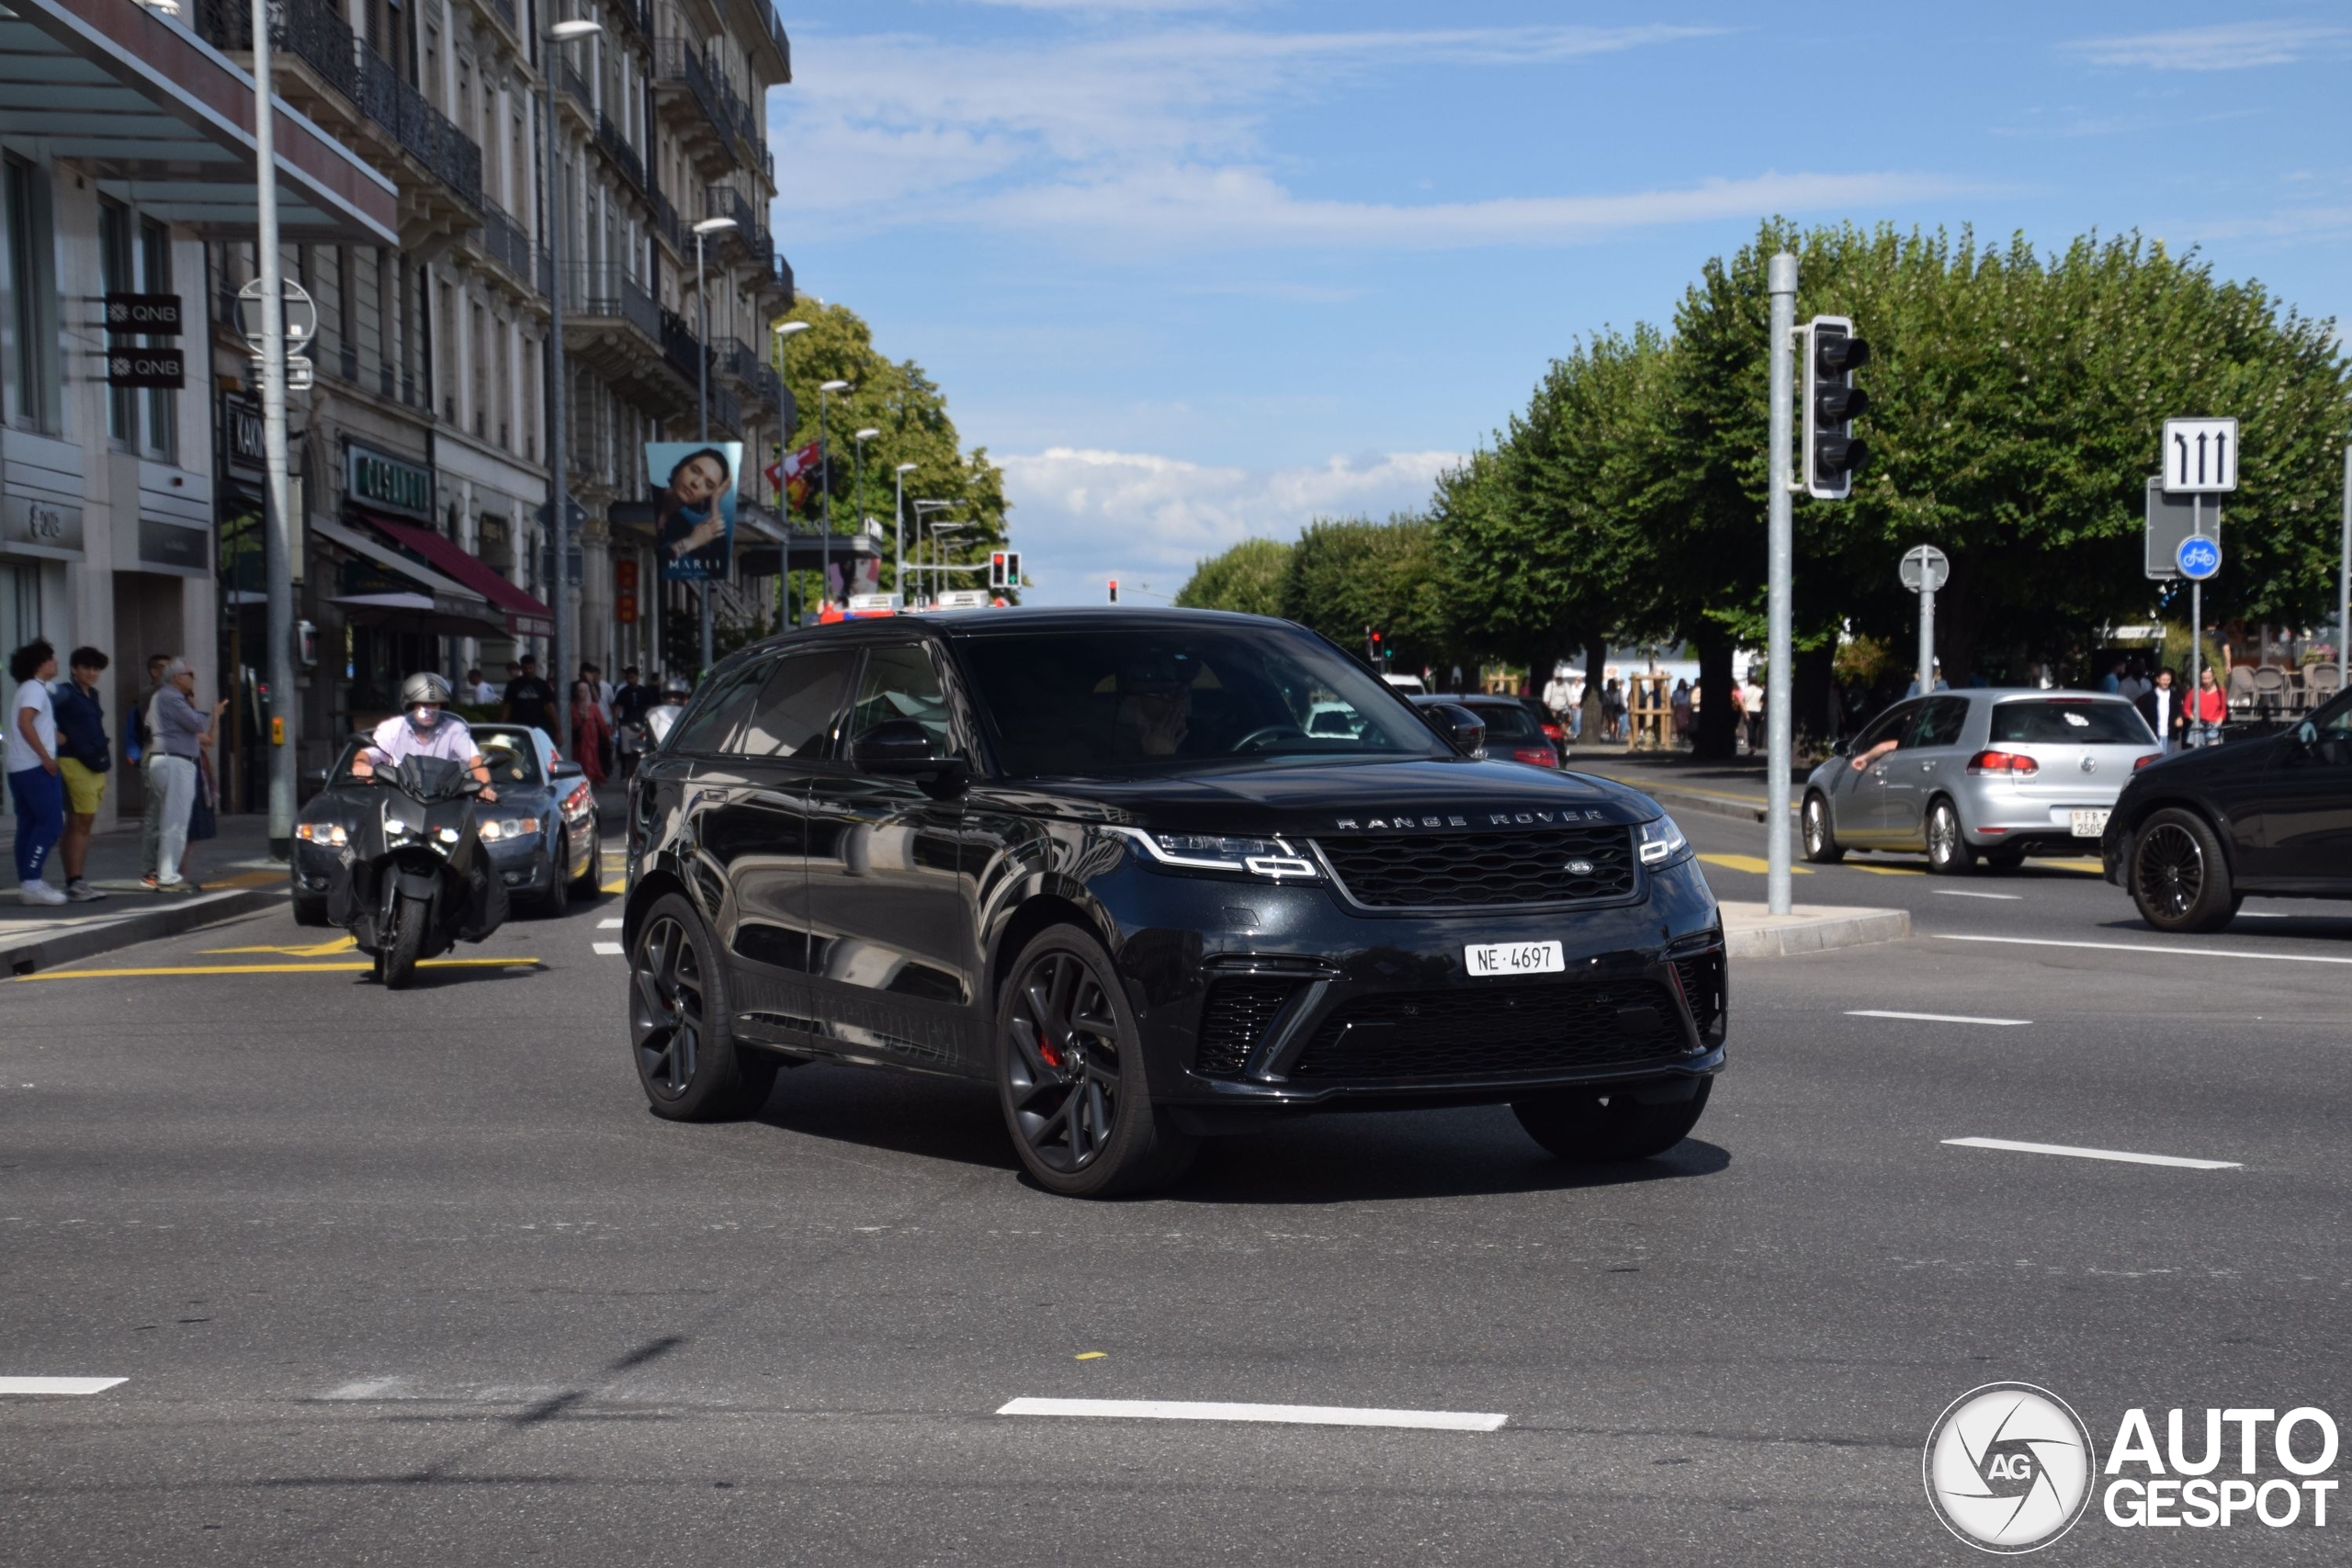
(1238, 1012)
(1498, 1031)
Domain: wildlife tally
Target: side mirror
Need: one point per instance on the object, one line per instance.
(1462, 726)
(566, 768)
(1837, 746)
(900, 748)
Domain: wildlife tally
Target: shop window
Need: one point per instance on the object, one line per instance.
(33, 392)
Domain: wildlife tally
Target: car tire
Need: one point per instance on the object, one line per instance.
(555, 898)
(1820, 834)
(311, 912)
(681, 1038)
(1595, 1127)
(396, 965)
(590, 883)
(2179, 876)
(2005, 861)
(1083, 1126)
(1949, 851)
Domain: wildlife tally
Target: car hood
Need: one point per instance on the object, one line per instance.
(1315, 800)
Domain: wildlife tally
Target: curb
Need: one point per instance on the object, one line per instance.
(1713, 805)
(1750, 932)
(63, 947)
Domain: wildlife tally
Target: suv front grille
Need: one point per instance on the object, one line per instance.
(1495, 1032)
(1236, 1018)
(1462, 870)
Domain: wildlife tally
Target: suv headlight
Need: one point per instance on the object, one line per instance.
(1274, 859)
(1661, 843)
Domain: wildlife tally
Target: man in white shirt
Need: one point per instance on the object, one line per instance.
(35, 788)
(421, 730)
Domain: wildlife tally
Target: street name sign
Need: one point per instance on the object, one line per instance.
(2199, 558)
(2200, 456)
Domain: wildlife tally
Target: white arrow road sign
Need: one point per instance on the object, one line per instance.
(2200, 456)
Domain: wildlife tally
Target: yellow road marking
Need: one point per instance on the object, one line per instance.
(1890, 870)
(1092, 1355)
(1755, 864)
(619, 884)
(274, 969)
(316, 950)
(243, 879)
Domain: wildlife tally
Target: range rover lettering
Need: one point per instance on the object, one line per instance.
(1122, 865)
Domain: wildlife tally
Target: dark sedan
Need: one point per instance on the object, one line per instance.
(1514, 732)
(2193, 834)
(541, 833)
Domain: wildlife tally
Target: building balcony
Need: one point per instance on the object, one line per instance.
(749, 237)
(624, 157)
(506, 245)
(614, 326)
(710, 121)
(665, 223)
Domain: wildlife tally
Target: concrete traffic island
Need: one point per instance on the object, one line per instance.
(1750, 931)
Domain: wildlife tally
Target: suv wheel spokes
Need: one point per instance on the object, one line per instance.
(2172, 869)
(1064, 1067)
(666, 1009)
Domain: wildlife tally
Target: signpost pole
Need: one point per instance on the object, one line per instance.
(1926, 631)
(279, 528)
(1780, 651)
(2344, 587)
(2197, 618)
(561, 650)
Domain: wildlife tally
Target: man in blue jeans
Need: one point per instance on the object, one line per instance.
(34, 786)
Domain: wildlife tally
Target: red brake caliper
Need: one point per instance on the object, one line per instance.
(1049, 1050)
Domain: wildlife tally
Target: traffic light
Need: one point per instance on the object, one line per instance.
(1375, 647)
(1115, 590)
(996, 568)
(1012, 569)
(1832, 402)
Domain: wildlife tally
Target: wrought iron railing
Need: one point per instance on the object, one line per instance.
(311, 30)
(428, 134)
(666, 223)
(590, 290)
(616, 147)
(679, 346)
(680, 60)
(509, 245)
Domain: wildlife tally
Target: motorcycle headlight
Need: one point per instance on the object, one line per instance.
(1661, 843)
(1275, 858)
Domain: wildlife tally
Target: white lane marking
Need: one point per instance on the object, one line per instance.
(607, 948)
(2264, 915)
(1966, 892)
(1939, 1018)
(366, 1388)
(58, 1385)
(611, 923)
(2127, 1159)
(2145, 947)
(1290, 1415)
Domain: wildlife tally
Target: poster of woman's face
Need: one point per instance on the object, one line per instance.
(694, 506)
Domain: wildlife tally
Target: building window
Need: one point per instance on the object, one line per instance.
(34, 394)
(115, 274)
(155, 277)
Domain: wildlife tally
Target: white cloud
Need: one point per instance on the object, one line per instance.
(2227, 46)
(1082, 515)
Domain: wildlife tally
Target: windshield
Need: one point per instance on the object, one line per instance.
(1172, 698)
(2069, 721)
(513, 759)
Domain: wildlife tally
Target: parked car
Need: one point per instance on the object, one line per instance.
(1512, 733)
(1102, 861)
(2192, 835)
(541, 835)
(1987, 773)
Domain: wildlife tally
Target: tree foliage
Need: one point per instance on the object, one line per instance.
(1247, 578)
(1348, 574)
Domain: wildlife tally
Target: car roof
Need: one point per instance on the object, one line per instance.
(1003, 620)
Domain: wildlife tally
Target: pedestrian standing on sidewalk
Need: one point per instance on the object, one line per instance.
(84, 757)
(182, 733)
(151, 817)
(1680, 705)
(2160, 706)
(588, 733)
(34, 786)
(2204, 710)
(531, 700)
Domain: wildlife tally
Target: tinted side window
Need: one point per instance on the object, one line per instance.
(2070, 721)
(1508, 721)
(1945, 718)
(798, 703)
(1895, 721)
(717, 713)
(899, 682)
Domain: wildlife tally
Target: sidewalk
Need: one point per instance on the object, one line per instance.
(1734, 788)
(235, 869)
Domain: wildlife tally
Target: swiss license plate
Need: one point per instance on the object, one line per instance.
(1487, 960)
(2089, 824)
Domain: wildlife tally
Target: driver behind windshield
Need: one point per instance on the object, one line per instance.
(422, 729)
(1155, 709)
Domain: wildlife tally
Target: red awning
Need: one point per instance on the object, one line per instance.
(526, 616)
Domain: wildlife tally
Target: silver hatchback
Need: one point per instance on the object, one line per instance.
(1985, 773)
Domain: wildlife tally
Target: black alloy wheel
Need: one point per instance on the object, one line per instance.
(1821, 845)
(1948, 850)
(686, 1058)
(2178, 878)
(1070, 1075)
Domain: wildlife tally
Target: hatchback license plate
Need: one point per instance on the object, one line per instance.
(1486, 960)
(2089, 824)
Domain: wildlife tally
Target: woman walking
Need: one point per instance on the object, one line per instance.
(590, 734)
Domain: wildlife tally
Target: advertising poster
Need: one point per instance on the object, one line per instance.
(694, 506)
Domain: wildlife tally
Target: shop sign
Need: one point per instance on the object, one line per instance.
(375, 479)
(240, 433)
(174, 547)
(41, 527)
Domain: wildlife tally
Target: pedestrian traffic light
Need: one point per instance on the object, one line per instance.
(1832, 402)
(1115, 590)
(1012, 569)
(996, 568)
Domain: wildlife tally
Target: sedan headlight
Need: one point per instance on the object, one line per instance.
(332, 833)
(1661, 843)
(1275, 858)
(496, 829)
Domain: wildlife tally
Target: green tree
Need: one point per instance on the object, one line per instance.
(1346, 574)
(1247, 576)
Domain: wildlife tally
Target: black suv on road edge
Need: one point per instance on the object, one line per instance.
(1095, 858)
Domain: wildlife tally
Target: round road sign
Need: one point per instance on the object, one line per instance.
(1925, 566)
(2197, 557)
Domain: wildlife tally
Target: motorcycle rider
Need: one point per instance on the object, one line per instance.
(421, 730)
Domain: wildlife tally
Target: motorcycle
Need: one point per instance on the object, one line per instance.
(413, 881)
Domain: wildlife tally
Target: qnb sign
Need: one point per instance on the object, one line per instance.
(2231, 1467)
(372, 478)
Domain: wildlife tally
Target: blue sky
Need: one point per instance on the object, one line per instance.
(1196, 270)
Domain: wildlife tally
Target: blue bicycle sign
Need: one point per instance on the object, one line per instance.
(2199, 558)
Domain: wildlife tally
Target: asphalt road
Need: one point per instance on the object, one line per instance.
(414, 1278)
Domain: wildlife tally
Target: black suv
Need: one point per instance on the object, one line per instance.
(1097, 859)
(2193, 834)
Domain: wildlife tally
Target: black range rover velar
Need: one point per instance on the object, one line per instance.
(1125, 867)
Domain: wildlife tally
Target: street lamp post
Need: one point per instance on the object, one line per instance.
(784, 333)
(567, 629)
(898, 530)
(862, 438)
(278, 535)
(923, 532)
(825, 389)
(702, 383)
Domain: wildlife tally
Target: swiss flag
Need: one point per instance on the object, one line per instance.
(792, 475)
